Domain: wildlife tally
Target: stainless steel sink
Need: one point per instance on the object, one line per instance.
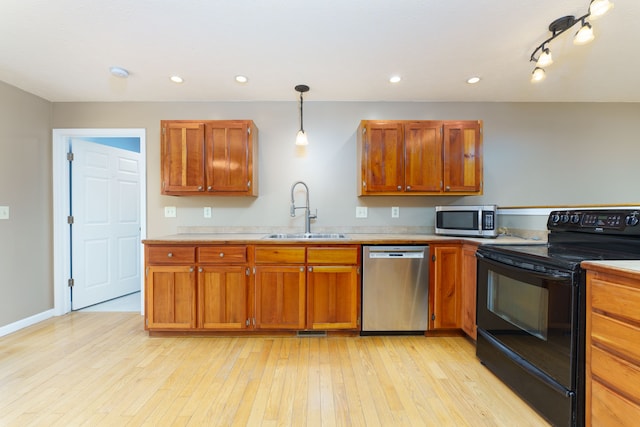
(306, 236)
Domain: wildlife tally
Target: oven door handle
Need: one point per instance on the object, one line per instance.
(544, 273)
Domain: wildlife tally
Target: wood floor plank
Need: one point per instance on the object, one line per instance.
(102, 369)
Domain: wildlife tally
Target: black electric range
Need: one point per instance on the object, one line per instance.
(531, 306)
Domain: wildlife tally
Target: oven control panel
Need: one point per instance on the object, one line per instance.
(619, 221)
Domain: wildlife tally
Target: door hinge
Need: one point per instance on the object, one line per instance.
(248, 131)
(70, 219)
(164, 131)
(70, 282)
(70, 156)
(433, 316)
(358, 270)
(247, 323)
(249, 184)
(248, 271)
(146, 272)
(433, 258)
(358, 321)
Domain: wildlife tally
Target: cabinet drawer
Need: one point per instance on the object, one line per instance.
(608, 408)
(618, 373)
(171, 255)
(616, 299)
(616, 335)
(335, 256)
(222, 254)
(280, 254)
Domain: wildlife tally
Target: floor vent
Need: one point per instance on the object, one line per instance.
(312, 333)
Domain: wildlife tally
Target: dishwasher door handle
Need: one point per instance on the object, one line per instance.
(396, 255)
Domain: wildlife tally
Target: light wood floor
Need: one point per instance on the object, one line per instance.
(102, 369)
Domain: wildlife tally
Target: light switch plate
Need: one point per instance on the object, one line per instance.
(361, 211)
(207, 211)
(395, 212)
(4, 212)
(169, 211)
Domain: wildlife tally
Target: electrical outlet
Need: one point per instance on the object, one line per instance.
(207, 212)
(395, 212)
(170, 211)
(361, 211)
(4, 212)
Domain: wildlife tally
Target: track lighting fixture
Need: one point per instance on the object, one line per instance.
(301, 138)
(584, 35)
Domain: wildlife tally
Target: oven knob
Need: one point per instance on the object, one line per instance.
(575, 218)
(631, 220)
(564, 218)
(555, 218)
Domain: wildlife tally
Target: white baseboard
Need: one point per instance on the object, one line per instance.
(20, 324)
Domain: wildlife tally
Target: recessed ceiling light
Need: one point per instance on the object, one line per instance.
(177, 79)
(242, 79)
(395, 79)
(473, 80)
(119, 72)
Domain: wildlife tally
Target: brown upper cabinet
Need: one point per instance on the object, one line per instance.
(209, 157)
(426, 157)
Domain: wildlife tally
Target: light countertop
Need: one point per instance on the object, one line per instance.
(352, 238)
(623, 266)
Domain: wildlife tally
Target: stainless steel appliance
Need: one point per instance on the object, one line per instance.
(531, 307)
(469, 221)
(395, 289)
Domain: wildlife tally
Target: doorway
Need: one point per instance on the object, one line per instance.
(71, 258)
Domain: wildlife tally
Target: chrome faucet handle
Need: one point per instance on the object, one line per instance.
(314, 215)
(292, 210)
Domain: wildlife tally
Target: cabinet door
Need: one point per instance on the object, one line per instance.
(229, 159)
(171, 297)
(182, 157)
(446, 287)
(333, 297)
(280, 297)
(383, 157)
(462, 156)
(222, 297)
(423, 156)
(468, 290)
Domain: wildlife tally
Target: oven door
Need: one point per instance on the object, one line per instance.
(527, 317)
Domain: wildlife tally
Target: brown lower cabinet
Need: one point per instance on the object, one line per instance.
(612, 347)
(246, 287)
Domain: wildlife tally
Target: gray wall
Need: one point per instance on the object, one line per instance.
(535, 155)
(26, 275)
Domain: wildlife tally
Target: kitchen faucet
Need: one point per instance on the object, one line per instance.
(308, 215)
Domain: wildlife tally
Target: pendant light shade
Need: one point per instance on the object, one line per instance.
(598, 8)
(301, 138)
(545, 59)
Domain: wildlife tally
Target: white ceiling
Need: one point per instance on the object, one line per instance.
(345, 50)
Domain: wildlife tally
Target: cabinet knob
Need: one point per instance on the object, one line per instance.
(408, 187)
(310, 269)
(199, 187)
(209, 188)
(447, 188)
(170, 254)
(199, 269)
(301, 269)
(221, 254)
(399, 187)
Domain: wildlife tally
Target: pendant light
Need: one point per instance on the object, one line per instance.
(301, 138)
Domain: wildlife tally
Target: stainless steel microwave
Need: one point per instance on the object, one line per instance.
(468, 221)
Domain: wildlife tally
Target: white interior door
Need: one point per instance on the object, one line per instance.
(105, 234)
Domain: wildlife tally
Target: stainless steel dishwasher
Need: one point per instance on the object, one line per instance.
(395, 289)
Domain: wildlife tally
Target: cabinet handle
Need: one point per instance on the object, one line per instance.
(447, 188)
(199, 269)
(408, 187)
(399, 187)
(191, 270)
(221, 254)
(199, 187)
(301, 269)
(310, 269)
(170, 255)
(209, 188)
